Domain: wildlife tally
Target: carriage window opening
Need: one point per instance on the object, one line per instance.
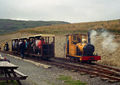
(79, 40)
(45, 39)
(74, 40)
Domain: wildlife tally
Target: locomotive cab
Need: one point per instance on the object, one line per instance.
(79, 48)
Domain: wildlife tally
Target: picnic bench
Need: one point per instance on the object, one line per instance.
(8, 72)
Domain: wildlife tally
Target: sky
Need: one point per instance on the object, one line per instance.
(73, 11)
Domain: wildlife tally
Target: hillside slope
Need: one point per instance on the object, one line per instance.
(112, 25)
(7, 25)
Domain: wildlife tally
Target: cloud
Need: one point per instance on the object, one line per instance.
(65, 10)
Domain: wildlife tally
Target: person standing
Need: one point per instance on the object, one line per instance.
(22, 48)
(13, 45)
(6, 47)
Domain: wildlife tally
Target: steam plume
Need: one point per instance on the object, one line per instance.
(93, 36)
(106, 38)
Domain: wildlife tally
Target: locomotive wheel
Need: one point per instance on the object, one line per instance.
(45, 58)
(89, 62)
(76, 59)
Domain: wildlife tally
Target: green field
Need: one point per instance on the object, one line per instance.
(7, 25)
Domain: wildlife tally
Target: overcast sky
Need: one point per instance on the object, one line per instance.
(60, 10)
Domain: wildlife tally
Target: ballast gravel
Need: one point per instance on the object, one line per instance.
(37, 75)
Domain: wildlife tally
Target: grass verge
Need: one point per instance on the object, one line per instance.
(9, 83)
(69, 81)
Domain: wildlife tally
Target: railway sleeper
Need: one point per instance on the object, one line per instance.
(102, 70)
(83, 73)
(89, 71)
(74, 70)
(104, 78)
(112, 81)
(108, 67)
(101, 75)
(92, 76)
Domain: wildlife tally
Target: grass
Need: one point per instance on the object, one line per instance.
(115, 31)
(7, 25)
(69, 81)
(112, 26)
(56, 32)
(62, 29)
(9, 83)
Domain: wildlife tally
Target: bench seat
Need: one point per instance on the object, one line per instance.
(22, 76)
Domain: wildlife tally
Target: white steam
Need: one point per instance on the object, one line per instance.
(93, 35)
(106, 40)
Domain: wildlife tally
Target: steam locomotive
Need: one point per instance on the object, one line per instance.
(79, 48)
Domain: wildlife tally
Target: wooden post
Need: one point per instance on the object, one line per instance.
(53, 46)
(15, 76)
(48, 40)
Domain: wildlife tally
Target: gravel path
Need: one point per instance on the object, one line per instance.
(37, 75)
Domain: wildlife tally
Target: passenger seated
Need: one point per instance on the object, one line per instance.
(33, 46)
(39, 44)
(26, 44)
(43, 42)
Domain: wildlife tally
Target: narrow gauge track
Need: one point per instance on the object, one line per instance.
(103, 71)
(95, 65)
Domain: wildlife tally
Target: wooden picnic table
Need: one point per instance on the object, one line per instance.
(8, 65)
(9, 72)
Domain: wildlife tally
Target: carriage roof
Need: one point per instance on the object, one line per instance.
(42, 35)
(45, 35)
(85, 34)
(33, 36)
(15, 38)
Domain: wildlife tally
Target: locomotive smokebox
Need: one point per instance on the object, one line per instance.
(89, 40)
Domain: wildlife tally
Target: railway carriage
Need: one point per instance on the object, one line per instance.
(47, 49)
(45, 52)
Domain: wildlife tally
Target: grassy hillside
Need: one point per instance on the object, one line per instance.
(112, 25)
(7, 25)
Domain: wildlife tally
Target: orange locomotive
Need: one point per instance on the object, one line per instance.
(79, 48)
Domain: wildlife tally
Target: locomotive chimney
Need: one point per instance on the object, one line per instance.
(89, 41)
